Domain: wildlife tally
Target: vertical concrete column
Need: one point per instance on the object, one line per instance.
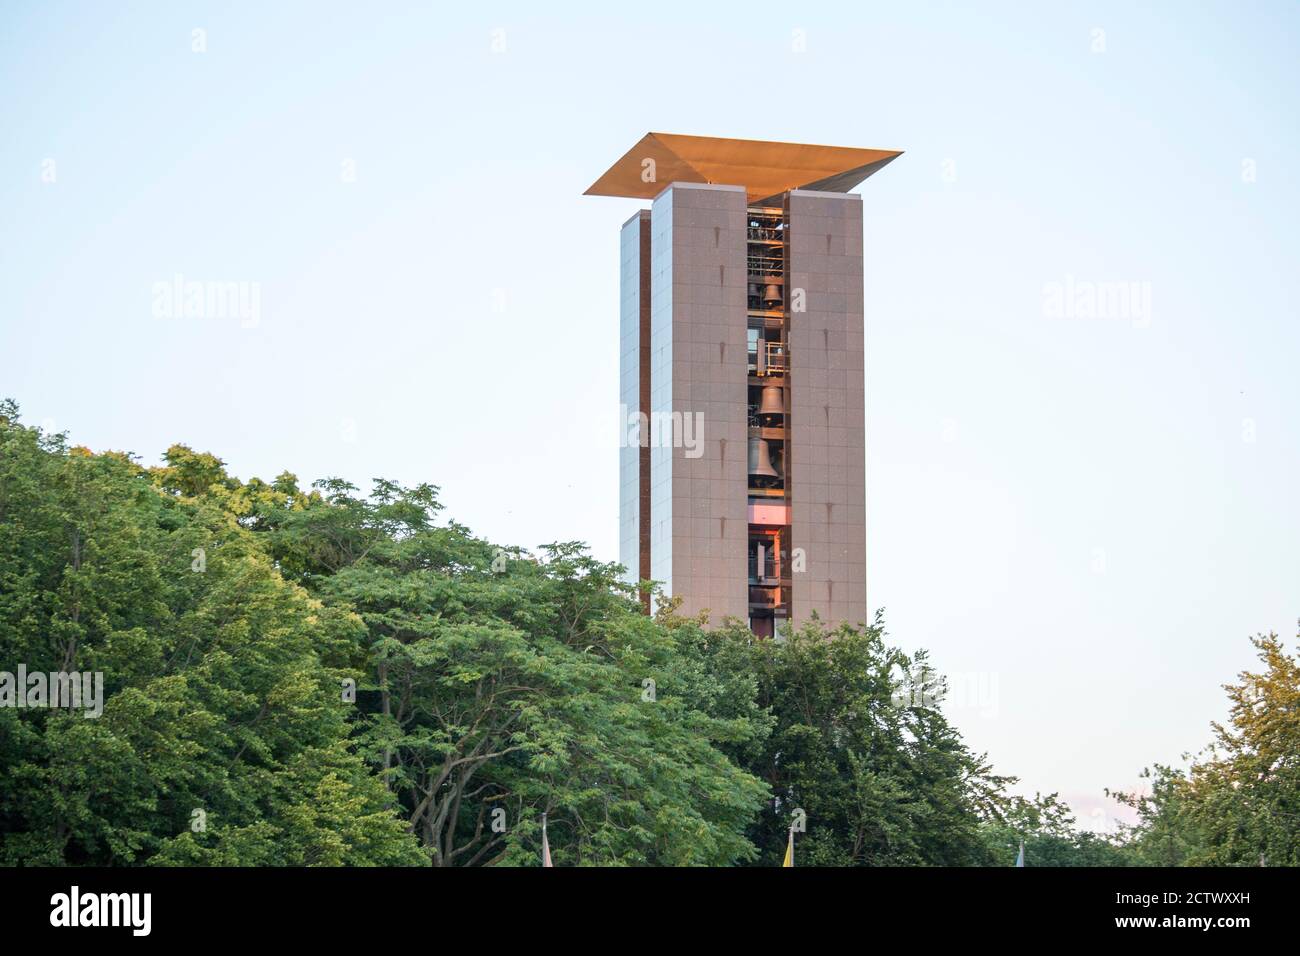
(827, 444)
(699, 376)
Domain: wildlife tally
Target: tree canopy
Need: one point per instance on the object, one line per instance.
(224, 737)
(1238, 803)
(322, 676)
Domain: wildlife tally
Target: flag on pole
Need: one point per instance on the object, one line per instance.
(789, 849)
(1020, 860)
(546, 846)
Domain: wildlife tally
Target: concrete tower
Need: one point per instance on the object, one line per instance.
(742, 474)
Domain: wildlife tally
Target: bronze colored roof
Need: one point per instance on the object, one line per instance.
(765, 169)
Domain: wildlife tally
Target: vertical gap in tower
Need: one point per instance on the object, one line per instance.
(769, 407)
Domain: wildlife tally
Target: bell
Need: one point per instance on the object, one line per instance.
(772, 294)
(760, 460)
(773, 402)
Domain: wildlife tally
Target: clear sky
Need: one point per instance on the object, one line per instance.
(1084, 518)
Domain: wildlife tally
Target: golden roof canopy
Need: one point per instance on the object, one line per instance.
(765, 169)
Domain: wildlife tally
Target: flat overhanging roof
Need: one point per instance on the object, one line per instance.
(765, 169)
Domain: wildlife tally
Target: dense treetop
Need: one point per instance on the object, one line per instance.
(325, 677)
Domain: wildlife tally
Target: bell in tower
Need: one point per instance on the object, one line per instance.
(760, 460)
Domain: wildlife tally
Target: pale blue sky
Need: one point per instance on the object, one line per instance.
(1064, 510)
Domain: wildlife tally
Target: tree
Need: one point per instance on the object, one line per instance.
(224, 737)
(1239, 802)
(879, 778)
(1046, 827)
(503, 686)
(230, 619)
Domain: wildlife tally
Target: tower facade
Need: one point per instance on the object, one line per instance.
(742, 470)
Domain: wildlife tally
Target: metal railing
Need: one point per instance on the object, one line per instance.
(769, 358)
(777, 359)
(760, 266)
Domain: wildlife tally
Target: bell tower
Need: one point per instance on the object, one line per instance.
(742, 484)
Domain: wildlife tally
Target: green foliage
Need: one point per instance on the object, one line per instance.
(1239, 802)
(505, 687)
(1046, 826)
(221, 685)
(493, 686)
(879, 782)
